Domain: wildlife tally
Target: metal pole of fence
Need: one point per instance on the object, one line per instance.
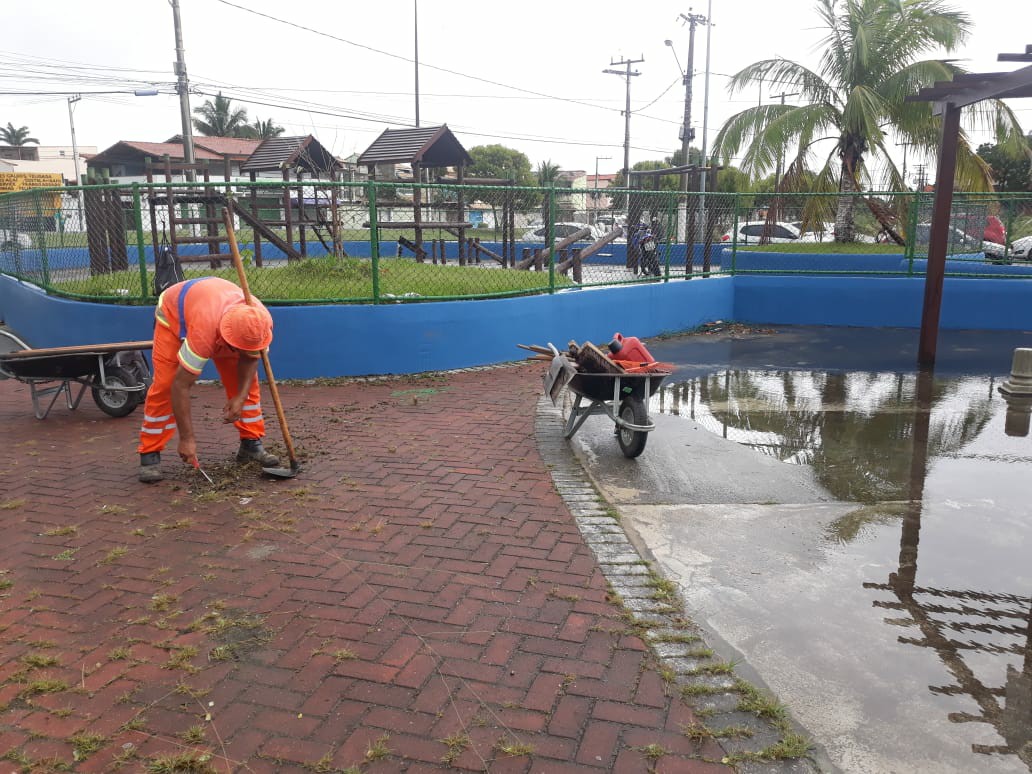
(911, 244)
(734, 237)
(141, 251)
(374, 241)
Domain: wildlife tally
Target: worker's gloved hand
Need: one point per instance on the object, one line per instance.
(231, 411)
(188, 452)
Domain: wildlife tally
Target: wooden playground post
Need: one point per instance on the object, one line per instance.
(460, 214)
(152, 206)
(254, 211)
(417, 204)
(338, 248)
(287, 217)
(301, 213)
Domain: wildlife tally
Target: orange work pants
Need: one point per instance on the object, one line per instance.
(159, 424)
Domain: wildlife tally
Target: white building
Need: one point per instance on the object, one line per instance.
(55, 159)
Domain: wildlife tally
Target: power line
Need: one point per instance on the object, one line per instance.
(405, 122)
(410, 60)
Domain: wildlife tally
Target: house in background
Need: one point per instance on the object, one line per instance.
(44, 159)
(597, 184)
(126, 160)
(236, 150)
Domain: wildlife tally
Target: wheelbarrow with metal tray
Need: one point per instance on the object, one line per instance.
(622, 396)
(117, 375)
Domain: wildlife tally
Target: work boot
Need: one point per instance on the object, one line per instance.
(150, 467)
(251, 450)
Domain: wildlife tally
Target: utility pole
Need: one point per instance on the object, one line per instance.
(594, 206)
(627, 74)
(905, 145)
(705, 104)
(921, 179)
(777, 169)
(687, 133)
(75, 157)
(415, 16)
(183, 88)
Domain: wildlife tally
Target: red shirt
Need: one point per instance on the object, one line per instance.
(994, 230)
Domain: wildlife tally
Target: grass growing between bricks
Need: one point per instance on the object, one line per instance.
(752, 700)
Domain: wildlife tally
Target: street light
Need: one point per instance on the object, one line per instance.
(594, 201)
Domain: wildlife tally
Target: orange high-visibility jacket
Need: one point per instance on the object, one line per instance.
(196, 319)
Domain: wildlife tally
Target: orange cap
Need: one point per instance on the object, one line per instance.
(246, 327)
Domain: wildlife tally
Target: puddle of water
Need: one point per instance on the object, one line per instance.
(898, 628)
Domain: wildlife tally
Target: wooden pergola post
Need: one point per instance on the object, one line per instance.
(938, 243)
(965, 89)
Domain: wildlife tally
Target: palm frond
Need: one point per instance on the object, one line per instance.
(784, 73)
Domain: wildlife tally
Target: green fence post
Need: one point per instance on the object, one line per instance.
(41, 236)
(734, 234)
(911, 241)
(550, 236)
(670, 210)
(141, 251)
(374, 241)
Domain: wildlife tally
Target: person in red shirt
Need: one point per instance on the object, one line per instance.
(994, 231)
(195, 321)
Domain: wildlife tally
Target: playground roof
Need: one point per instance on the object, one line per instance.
(275, 153)
(428, 146)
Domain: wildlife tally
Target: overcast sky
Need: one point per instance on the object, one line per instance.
(527, 75)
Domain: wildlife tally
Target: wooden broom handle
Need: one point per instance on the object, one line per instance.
(227, 219)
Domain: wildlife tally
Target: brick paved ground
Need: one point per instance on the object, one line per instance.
(419, 598)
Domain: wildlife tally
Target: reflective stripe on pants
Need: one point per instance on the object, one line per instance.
(159, 424)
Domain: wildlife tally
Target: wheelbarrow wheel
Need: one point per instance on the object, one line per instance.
(632, 442)
(117, 403)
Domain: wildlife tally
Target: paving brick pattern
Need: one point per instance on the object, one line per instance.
(419, 599)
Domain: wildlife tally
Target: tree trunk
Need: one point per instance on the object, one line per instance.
(845, 228)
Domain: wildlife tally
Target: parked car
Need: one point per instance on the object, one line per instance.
(961, 241)
(1021, 249)
(751, 233)
(13, 240)
(562, 231)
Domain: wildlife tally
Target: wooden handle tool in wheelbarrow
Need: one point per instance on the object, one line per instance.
(227, 218)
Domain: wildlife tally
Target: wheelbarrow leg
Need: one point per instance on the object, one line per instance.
(64, 388)
(578, 415)
(572, 425)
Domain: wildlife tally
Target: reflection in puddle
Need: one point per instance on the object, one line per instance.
(871, 438)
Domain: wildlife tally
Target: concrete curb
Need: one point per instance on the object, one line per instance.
(628, 574)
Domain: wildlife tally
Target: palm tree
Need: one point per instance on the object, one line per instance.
(869, 65)
(547, 173)
(262, 130)
(12, 136)
(219, 119)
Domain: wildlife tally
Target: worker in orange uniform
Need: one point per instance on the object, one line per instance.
(195, 321)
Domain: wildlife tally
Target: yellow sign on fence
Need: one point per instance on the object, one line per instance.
(12, 182)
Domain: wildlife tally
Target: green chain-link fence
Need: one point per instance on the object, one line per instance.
(378, 242)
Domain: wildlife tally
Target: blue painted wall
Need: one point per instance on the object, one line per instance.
(343, 340)
(359, 339)
(986, 304)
